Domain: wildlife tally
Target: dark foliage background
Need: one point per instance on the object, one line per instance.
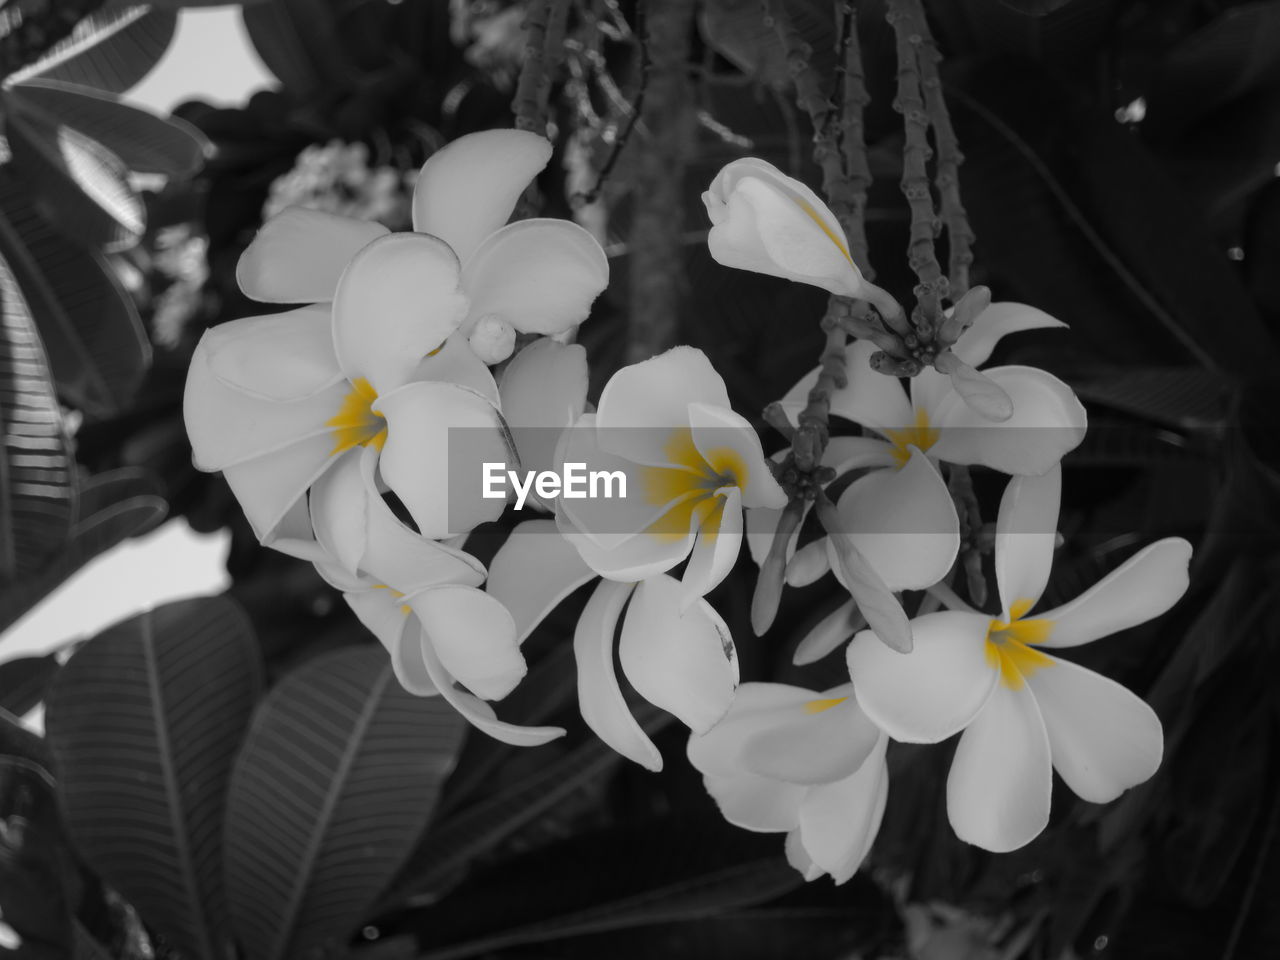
(214, 779)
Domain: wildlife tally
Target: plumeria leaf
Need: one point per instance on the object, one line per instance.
(362, 762)
(98, 349)
(37, 472)
(111, 49)
(144, 722)
(23, 682)
(145, 142)
(112, 507)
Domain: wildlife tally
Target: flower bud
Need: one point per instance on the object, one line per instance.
(764, 221)
(492, 339)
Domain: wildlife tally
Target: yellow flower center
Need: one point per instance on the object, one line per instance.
(921, 436)
(355, 424)
(1010, 646)
(690, 484)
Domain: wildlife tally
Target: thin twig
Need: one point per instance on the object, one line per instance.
(907, 19)
(633, 113)
(960, 235)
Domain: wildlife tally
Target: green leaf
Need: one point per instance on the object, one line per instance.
(97, 347)
(37, 479)
(144, 722)
(144, 141)
(458, 839)
(109, 50)
(35, 865)
(81, 185)
(113, 506)
(339, 775)
(677, 868)
(23, 682)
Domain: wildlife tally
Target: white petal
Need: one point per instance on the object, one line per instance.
(756, 803)
(438, 437)
(684, 663)
(799, 858)
(1001, 779)
(457, 363)
(903, 522)
(761, 524)
(402, 558)
(829, 633)
(540, 276)
(655, 395)
(269, 487)
(227, 424)
(813, 746)
(764, 224)
(853, 453)
(717, 547)
(1104, 739)
(282, 356)
(599, 696)
(839, 821)
(1025, 532)
(385, 617)
(338, 508)
(474, 636)
(1048, 422)
(533, 571)
(543, 390)
(1140, 589)
(478, 713)
(755, 708)
(396, 302)
(299, 254)
(870, 398)
(729, 445)
(974, 346)
(935, 690)
(467, 189)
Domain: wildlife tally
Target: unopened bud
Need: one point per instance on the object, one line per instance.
(493, 339)
(967, 309)
(986, 397)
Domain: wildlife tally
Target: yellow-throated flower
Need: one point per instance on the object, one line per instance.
(691, 465)
(812, 765)
(1023, 711)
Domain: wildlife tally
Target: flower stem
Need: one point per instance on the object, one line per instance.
(960, 235)
(907, 19)
(532, 89)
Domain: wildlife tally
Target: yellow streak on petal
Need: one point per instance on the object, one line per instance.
(689, 485)
(822, 225)
(920, 435)
(817, 706)
(355, 424)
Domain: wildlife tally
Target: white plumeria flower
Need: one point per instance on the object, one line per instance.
(677, 655)
(691, 465)
(766, 222)
(1024, 712)
(420, 598)
(900, 514)
(533, 276)
(812, 765)
(274, 401)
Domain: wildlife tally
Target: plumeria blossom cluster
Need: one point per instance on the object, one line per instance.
(331, 423)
